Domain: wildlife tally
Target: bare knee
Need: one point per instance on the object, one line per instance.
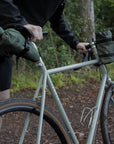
(4, 94)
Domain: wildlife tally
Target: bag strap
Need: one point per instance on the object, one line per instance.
(107, 55)
(103, 40)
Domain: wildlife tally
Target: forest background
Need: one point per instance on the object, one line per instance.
(84, 18)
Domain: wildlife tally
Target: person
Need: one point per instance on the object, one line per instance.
(33, 15)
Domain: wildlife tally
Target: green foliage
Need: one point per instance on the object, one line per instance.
(58, 79)
(72, 17)
(104, 12)
(111, 70)
(30, 79)
(26, 79)
(55, 52)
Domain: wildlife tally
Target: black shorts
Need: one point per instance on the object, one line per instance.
(5, 72)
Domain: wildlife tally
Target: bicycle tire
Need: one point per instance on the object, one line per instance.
(107, 116)
(9, 109)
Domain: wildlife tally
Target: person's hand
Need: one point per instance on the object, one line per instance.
(36, 30)
(81, 47)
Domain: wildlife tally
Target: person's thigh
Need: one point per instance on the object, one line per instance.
(5, 72)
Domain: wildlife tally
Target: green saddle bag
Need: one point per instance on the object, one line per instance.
(105, 47)
(16, 41)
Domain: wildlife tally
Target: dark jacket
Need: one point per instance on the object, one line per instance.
(37, 12)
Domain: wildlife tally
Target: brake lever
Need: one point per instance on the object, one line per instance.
(85, 57)
(44, 32)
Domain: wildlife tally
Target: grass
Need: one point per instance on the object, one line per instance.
(111, 70)
(29, 79)
(24, 80)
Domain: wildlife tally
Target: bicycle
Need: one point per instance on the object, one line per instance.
(30, 112)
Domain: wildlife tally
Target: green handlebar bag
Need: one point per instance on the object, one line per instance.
(105, 47)
(17, 41)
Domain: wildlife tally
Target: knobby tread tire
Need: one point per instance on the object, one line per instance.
(104, 115)
(27, 105)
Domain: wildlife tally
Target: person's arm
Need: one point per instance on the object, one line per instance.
(59, 25)
(9, 13)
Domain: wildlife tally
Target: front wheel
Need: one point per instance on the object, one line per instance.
(14, 113)
(107, 116)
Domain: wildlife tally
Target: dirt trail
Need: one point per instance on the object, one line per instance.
(74, 99)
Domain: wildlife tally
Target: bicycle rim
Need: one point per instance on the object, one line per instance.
(14, 113)
(107, 116)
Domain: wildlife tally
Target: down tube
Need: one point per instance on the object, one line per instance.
(100, 97)
(61, 110)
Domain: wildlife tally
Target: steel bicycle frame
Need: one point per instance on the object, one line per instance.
(46, 80)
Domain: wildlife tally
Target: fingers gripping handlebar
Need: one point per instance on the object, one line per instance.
(89, 46)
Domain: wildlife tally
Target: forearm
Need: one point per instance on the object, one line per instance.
(61, 28)
(9, 13)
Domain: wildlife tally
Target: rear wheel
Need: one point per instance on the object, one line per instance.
(107, 116)
(14, 113)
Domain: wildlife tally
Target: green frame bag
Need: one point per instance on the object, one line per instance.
(105, 47)
(17, 41)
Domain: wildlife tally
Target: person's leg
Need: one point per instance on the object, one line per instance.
(5, 73)
(3, 96)
(5, 79)
(0, 123)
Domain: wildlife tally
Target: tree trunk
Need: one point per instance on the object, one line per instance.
(86, 12)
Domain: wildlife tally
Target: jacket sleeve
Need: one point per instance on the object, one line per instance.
(9, 13)
(59, 25)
